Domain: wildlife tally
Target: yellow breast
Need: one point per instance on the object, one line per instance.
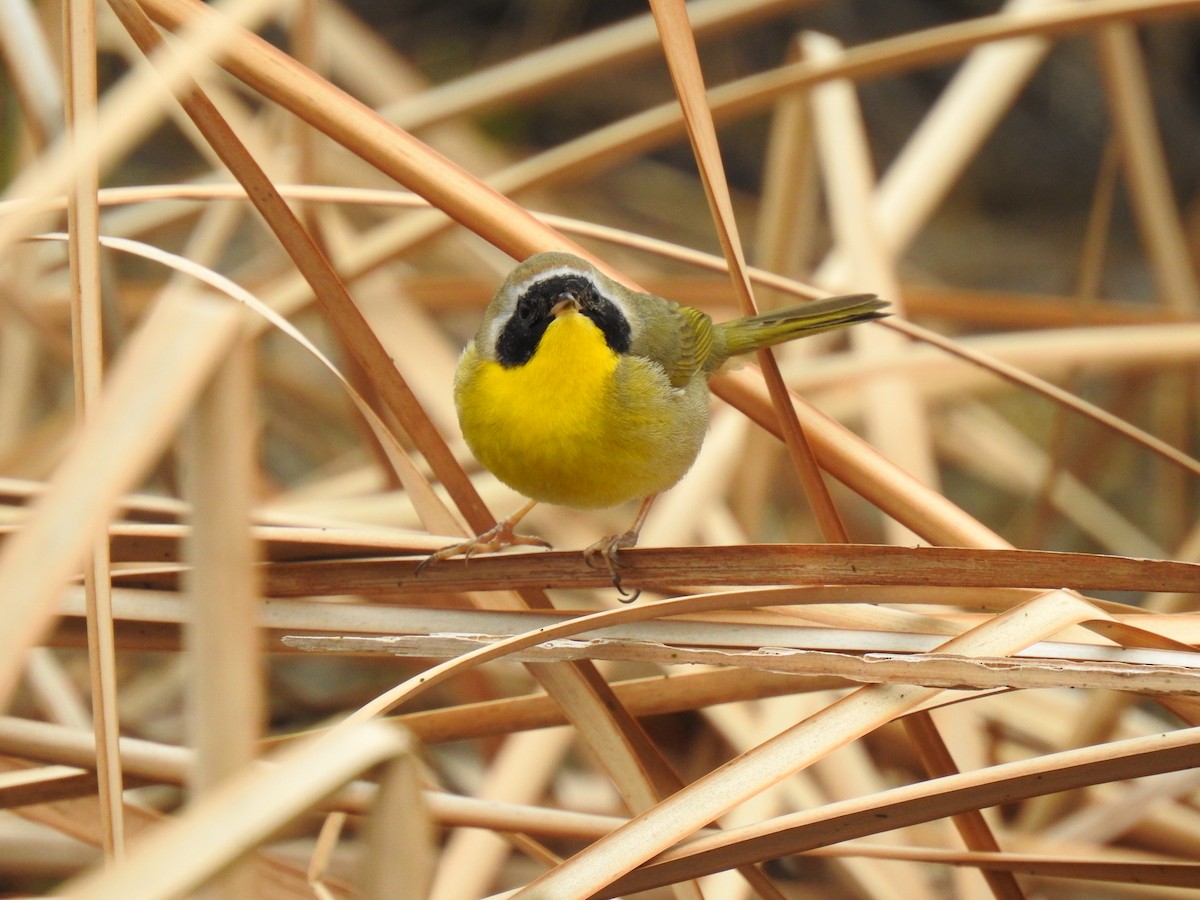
(578, 424)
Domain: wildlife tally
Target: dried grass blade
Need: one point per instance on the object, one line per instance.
(76, 747)
(83, 218)
(1158, 680)
(899, 807)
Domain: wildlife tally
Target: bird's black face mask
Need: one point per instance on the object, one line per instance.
(524, 329)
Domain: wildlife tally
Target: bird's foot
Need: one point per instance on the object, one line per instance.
(499, 536)
(605, 554)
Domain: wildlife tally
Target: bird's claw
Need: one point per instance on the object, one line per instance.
(605, 554)
(497, 537)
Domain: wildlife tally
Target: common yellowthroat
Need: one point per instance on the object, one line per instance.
(579, 391)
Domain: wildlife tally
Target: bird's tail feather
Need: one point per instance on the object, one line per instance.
(770, 328)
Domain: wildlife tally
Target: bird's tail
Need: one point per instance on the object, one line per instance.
(767, 329)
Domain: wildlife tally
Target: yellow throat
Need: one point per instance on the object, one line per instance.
(549, 428)
(571, 371)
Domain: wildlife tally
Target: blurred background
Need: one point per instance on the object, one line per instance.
(1067, 244)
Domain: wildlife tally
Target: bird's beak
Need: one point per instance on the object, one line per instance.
(564, 303)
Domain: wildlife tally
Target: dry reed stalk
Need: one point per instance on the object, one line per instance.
(767, 564)
(895, 419)
(1128, 95)
(226, 704)
(83, 223)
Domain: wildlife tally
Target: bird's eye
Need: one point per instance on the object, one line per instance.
(525, 310)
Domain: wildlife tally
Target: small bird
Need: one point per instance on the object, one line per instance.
(582, 392)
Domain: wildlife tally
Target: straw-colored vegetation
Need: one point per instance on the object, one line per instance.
(938, 641)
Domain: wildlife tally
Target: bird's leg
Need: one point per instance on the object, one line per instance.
(502, 534)
(604, 551)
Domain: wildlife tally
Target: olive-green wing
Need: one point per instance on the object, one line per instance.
(696, 343)
(678, 338)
